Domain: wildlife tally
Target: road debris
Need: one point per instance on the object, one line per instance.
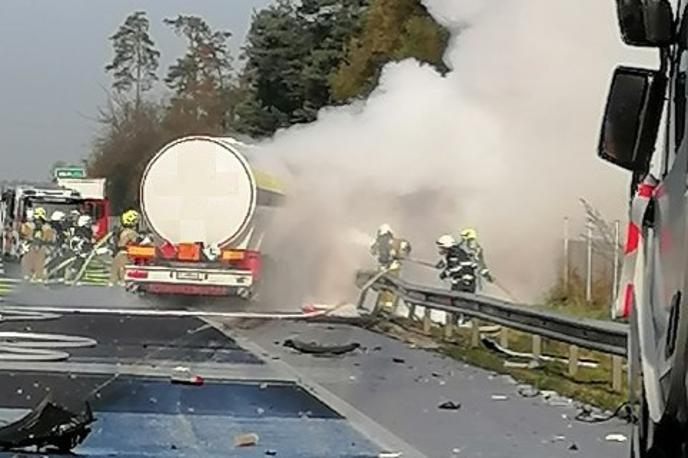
(499, 397)
(389, 455)
(573, 446)
(246, 440)
(528, 391)
(314, 348)
(270, 452)
(449, 405)
(182, 375)
(558, 438)
(491, 344)
(615, 437)
(399, 360)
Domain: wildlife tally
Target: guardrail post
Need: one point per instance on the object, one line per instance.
(504, 337)
(395, 305)
(475, 333)
(427, 322)
(573, 360)
(617, 372)
(537, 346)
(450, 319)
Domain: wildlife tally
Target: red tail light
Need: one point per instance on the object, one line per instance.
(138, 274)
(167, 250)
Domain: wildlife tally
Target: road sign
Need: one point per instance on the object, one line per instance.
(70, 172)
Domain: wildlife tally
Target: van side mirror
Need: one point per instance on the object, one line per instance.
(631, 117)
(647, 23)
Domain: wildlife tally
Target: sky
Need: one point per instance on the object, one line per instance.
(52, 78)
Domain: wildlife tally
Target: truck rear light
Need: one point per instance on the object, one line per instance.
(189, 252)
(167, 250)
(137, 274)
(232, 255)
(141, 252)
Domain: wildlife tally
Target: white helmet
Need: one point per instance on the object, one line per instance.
(84, 221)
(57, 216)
(29, 214)
(384, 229)
(446, 241)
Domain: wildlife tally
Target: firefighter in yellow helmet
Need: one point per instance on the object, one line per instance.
(126, 235)
(389, 252)
(37, 236)
(469, 243)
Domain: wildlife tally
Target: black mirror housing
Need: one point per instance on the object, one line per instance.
(631, 118)
(646, 23)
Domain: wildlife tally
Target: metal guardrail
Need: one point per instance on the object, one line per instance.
(603, 336)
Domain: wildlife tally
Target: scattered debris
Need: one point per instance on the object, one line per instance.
(456, 451)
(173, 447)
(499, 397)
(48, 425)
(314, 348)
(528, 391)
(558, 438)
(270, 452)
(573, 446)
(491, 344)
(615, 437)
(263, 385)
(399, 360)
(260, 411)
(389, 455)
(377, 348)
(449, 405)
(245, 440)
(182, 375)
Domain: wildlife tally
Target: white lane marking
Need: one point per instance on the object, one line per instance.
(169, 313)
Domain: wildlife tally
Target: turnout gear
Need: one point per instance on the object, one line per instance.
(37, 236)
(389, 252)
(124, 237)
(469, 243)
(458, 266)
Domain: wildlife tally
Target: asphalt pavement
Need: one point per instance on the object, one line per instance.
(383, 396)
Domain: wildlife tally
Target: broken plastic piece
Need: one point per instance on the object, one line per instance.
(449, 405)
(183, 376)
(318, 349)
(615, 437)
(245, 440)
(48, 425)
(499, 397)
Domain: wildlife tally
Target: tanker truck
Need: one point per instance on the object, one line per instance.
(207, 209)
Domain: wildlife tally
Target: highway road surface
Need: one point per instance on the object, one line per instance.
(380, 398)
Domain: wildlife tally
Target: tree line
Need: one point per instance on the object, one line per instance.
(298, 57)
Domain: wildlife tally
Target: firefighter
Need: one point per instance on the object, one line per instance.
(469, 243)
(389, 251)
(81, 244)
(457, 264)
(39, 236)
(58, 248)
(26, 231)
(126, 235)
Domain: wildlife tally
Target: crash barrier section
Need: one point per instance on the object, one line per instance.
(602, 336)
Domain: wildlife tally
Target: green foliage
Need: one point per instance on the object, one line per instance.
(201, 79)
(135, 63)
(290, 52)
(393, 30)
(299, 57)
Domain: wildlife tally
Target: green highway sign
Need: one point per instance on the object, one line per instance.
(70, 172)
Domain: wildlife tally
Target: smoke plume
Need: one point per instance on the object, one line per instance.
(504, 143)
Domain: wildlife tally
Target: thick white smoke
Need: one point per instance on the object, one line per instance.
(504, 143)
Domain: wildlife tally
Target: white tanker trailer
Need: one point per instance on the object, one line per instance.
(208, 210)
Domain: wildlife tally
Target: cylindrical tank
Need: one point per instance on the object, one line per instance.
(199, 189)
